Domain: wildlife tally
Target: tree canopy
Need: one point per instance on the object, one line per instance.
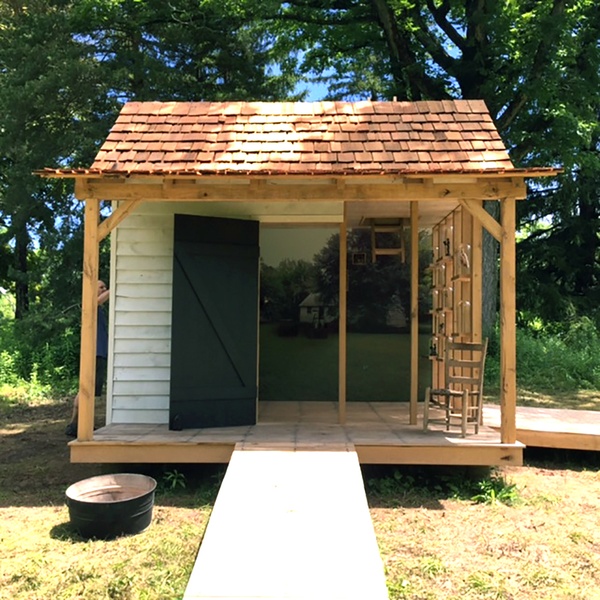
(66, 66)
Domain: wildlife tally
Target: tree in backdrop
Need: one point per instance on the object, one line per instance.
(375, 288)
(535, 63)
(284, 287)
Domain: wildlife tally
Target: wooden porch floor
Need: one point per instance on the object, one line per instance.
(379, 432)
(551, 427)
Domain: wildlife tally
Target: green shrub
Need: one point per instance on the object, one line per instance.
(561, 358)
(41, 349)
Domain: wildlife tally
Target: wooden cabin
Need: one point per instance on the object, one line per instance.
(193, 184)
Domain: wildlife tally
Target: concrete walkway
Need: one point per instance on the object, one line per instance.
(290, 524)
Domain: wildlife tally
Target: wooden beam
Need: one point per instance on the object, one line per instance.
(343, 309)
(118, 215)
(198, 190)
(477, 210)
(89, 321)
(472, 455)
(414, 311)
(508, 332)
(477, 278)
(163, 452)
(157, 452)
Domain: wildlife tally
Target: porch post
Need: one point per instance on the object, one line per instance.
(342, 321)
(414, 310)
(89, 321)
(508, 331)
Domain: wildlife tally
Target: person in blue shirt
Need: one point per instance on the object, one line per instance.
(101, 357)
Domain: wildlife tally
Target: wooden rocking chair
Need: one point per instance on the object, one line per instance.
(462, 398)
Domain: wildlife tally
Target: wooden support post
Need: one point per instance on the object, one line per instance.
(342, 321)
(89, 322)
(477, 279)
(508, 332)
(414, 310)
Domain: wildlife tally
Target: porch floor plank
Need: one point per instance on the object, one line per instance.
(379, 431)
(290, 523)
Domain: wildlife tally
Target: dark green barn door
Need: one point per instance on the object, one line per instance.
(214, 322)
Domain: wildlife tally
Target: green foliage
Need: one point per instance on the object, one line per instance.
(496, 490)
(421, 485)
(41, 349)
(559, 356)
(283, 288)
(172, 480)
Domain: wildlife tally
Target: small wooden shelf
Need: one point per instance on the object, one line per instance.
(465, 278)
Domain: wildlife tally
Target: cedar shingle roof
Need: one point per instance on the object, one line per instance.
(321, 138)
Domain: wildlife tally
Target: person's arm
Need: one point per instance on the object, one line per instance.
(103, 297)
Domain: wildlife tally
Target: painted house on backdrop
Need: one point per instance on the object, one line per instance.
(313, 311)
(192, 186)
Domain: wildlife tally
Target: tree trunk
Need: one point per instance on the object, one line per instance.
(21, 273)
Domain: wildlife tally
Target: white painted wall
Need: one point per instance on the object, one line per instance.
(140, 316)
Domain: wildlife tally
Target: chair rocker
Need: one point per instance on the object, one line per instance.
(462, 399)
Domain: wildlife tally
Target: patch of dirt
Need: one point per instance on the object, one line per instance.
(34, 455)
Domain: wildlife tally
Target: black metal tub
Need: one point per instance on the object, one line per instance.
(108, 506)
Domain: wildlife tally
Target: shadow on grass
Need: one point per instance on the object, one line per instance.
(64, 532)
(559, 459)
(407, 486)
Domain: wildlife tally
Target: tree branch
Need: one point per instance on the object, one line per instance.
(405, 67)
(440, 16)
(521, 97)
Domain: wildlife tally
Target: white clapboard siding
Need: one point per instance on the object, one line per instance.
(142, 304)
(145, 249)
(142, 333)
(142, 402)
(145, 359)
(143, 277)
(132, 317)
(154, 217)
(145, 263)
(144, 290)
(148, 373)
(133, 346)
(142, 267)
(139, 415)
(141, 388)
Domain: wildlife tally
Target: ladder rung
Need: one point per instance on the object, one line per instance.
(388, 251)
(387, 228)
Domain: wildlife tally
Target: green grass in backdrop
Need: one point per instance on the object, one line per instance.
(302, 369)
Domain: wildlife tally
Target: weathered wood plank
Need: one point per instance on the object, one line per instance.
(342, 338)
(508, 328)
(414, 310)
(408, 189)
(289, 525)
(89, 321)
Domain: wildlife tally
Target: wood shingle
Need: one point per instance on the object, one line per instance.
(337, 138)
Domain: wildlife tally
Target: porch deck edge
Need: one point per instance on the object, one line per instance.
(484, 454)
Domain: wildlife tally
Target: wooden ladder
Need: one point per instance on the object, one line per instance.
(387, 228)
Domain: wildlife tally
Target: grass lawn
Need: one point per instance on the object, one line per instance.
(436, 542)
(378, 367)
